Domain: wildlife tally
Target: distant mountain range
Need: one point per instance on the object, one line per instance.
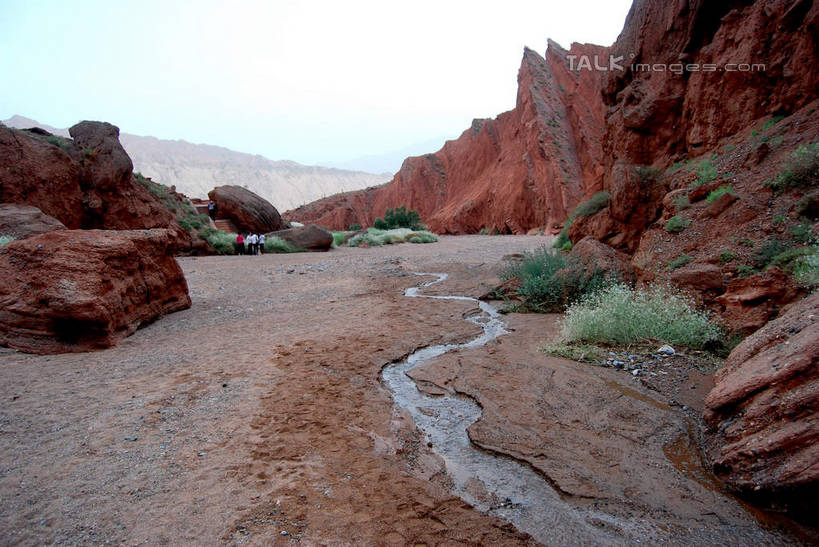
(197, 168)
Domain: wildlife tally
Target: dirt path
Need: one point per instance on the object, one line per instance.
(258, 416)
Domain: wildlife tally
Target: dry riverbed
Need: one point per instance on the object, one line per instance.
(259, 416)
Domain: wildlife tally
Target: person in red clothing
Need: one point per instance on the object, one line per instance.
(240, 244)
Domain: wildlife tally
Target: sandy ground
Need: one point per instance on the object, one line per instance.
(258, 416)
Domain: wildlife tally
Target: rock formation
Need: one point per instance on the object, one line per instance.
(526, 168)
(764, 409)
(311, 238)
(248, 211)
(78, 290)
(22, 221)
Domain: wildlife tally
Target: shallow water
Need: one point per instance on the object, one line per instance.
(494, 483)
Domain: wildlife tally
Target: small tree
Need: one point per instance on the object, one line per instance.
(399, 217)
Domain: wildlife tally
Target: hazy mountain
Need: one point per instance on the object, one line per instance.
(196, 168)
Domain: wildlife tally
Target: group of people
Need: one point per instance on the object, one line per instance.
(251, 244)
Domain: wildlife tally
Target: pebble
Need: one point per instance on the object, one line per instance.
(666, 350)
(636, 371)
(284, 532)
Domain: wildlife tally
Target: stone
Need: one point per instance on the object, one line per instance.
(763, 412)
(699, 276)
(249, 212)
(595, 254)
(749, 302)
(80, 290)
(40, 174)
(310, 238)
(719, 205)
(22, 221)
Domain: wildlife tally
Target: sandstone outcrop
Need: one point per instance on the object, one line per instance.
(36, 172)
(526, 168)
(597, 255)
(78, 290)
(84, 183)
(248, 211)
(311, 237)
(764, 409)
(22, 221)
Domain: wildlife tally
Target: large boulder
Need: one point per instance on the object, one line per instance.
(597, 255)
(249, 212)
(22, 221)
(699, 276)
(112, 198)
(311, 238)
(78, 290)
(763, 412)
(34, 171)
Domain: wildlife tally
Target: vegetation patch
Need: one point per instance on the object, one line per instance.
(400, 217)
(587, 208)
(676, 224)
(727, 256)
(719, 192)
(800, 170)
(706, 172)
(681, 202)
(375, 237)
(5, 240)
(679, 262)
(550, 281)
(618, 314)
(221, 242)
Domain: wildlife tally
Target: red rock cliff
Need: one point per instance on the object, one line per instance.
(524, 169)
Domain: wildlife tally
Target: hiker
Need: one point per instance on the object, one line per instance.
(212, 210)
(252, 240)
(261, 244)
(240, 244)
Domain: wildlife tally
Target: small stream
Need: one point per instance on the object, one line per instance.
(519, 495)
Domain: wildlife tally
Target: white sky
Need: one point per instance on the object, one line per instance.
(312, 82)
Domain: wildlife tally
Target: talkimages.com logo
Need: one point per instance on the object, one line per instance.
(612, 63)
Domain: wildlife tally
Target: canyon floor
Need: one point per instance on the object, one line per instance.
(258, 416)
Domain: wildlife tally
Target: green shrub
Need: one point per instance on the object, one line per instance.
(779, 219)
(399, 217)
(354, 227)
(802, 232)
(618, 314)
(679, 262)
(765, 255)
(5, 240)
(800, 170)
(677, 166)
(422, 237)
(772, 122)
(273, 244)
(806, 268)
(745, 270)
(727, 256)
(60, 142)
(194, 221)
(587, 208)
(706, 172)
(676, 224)
(550, 281)
(591, 205)
(221, 242)
(681, 202)
(719, 192)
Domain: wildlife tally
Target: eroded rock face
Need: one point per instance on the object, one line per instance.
(78, 290)
(248, 211)
(595, 254)
(37, 173)
(22, 221)
(309, 237)
(764, 408)
(524, 169)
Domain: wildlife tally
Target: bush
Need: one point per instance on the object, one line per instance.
(679, 262)
(354, 227)
(399, 217)
(802, 232)
(273, 244)
(676, 224)
(765, 255)
(681, 203)
(706, 172)
(618, 314)
(375, 237)
(550, 281)
(719, 192)
(5, 240)
(772, 122)
(727, 256)
(221, 242)
(806, 269)
(422, 237)
(801, 170)
(587, 208)
(340, 237)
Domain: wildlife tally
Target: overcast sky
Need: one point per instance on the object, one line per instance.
(313, 82)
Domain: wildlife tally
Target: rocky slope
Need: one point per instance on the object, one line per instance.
(197, 168)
